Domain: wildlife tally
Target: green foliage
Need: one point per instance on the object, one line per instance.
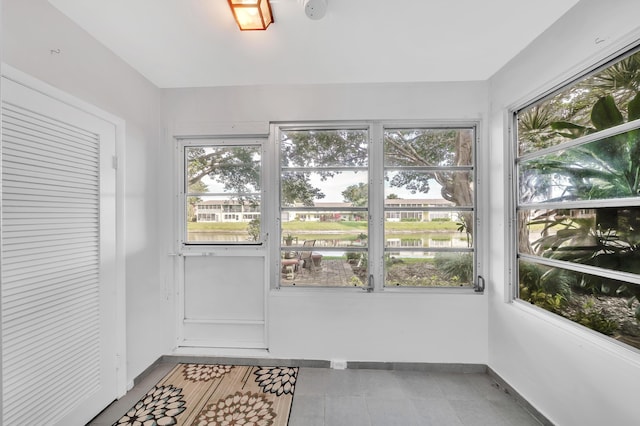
(464, 227)
(431, 147)
(573, 112)
(550, 302)
(352, 255)
(458, 267)
(543, 287)
(594, 318)
(296, 188)
(604, 169)
(355, 281)
(254, 229)
(543, 281)
(633, 108)
(317, 148)
(236, 168)
(600, 170)
(605, 114)
(358, 194)
(632, 300)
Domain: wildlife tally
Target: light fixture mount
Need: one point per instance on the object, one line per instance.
(315, 9)
(251, 15)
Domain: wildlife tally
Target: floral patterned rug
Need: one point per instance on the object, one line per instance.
(208, 394)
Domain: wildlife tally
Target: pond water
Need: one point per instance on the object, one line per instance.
(400, 240)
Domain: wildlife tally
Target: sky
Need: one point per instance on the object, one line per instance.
(333, 187)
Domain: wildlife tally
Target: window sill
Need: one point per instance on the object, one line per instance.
(601, 341)
(388, 290)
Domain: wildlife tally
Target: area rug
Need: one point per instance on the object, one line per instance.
(207, 394)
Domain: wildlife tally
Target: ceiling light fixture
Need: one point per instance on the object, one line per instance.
(251, 14)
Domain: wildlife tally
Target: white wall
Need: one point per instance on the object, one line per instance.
(330, 324)
(570, 374)
(31, 29)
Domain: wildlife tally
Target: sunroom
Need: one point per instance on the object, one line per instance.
(262, 207)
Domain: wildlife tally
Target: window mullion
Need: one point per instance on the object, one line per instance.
(376, 206)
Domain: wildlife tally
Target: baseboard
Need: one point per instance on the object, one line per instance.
(419, 366)
(140, 377)
(261, 362)
(508, 389)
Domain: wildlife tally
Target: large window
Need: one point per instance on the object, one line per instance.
(324, 206)
(428, 229)
(577, 201)
(377, 206)
(222, 191)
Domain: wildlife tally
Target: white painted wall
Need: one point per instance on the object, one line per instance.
(31, 29)
(572, 375)
(333, 324)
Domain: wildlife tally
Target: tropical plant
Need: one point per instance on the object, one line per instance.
(539, 282)
(595, 318)
(603, 169)
(454, 266)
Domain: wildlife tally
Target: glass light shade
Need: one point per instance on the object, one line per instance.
(251, 14)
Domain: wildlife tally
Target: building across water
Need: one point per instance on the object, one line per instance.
(239, 211)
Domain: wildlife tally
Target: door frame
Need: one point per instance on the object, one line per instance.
(118, 123)
(177, 133)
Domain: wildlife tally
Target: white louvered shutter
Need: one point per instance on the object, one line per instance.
(51, 267)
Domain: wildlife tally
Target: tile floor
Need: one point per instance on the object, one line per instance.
(365, 397)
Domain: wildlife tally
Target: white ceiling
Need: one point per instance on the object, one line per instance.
(193, 43)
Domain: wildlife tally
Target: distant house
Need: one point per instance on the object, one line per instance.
(235, 211)
(226, 211)
(414, 210)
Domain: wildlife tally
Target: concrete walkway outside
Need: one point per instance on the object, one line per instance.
(330, 273)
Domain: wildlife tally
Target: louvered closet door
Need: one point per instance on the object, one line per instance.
(58, 261)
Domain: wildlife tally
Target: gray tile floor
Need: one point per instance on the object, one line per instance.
(356, 397)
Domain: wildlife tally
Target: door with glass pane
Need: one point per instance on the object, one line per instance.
(222, 248)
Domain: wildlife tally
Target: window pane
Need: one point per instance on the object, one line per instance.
(318, 268)
(601, 304)
(324, 148)
(594, 103)
(605, 237)
(327, 229)
(427, 229)
(428, 147)
(410, 190)
(334, 189)
(423, 189)
(218, 169)
(405, 268)
(324, 207)
(603, 169)
(222, 220)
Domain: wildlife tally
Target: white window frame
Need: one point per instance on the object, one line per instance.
(513, 158)
(376, 209)
(216, 141)
(277, 229)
